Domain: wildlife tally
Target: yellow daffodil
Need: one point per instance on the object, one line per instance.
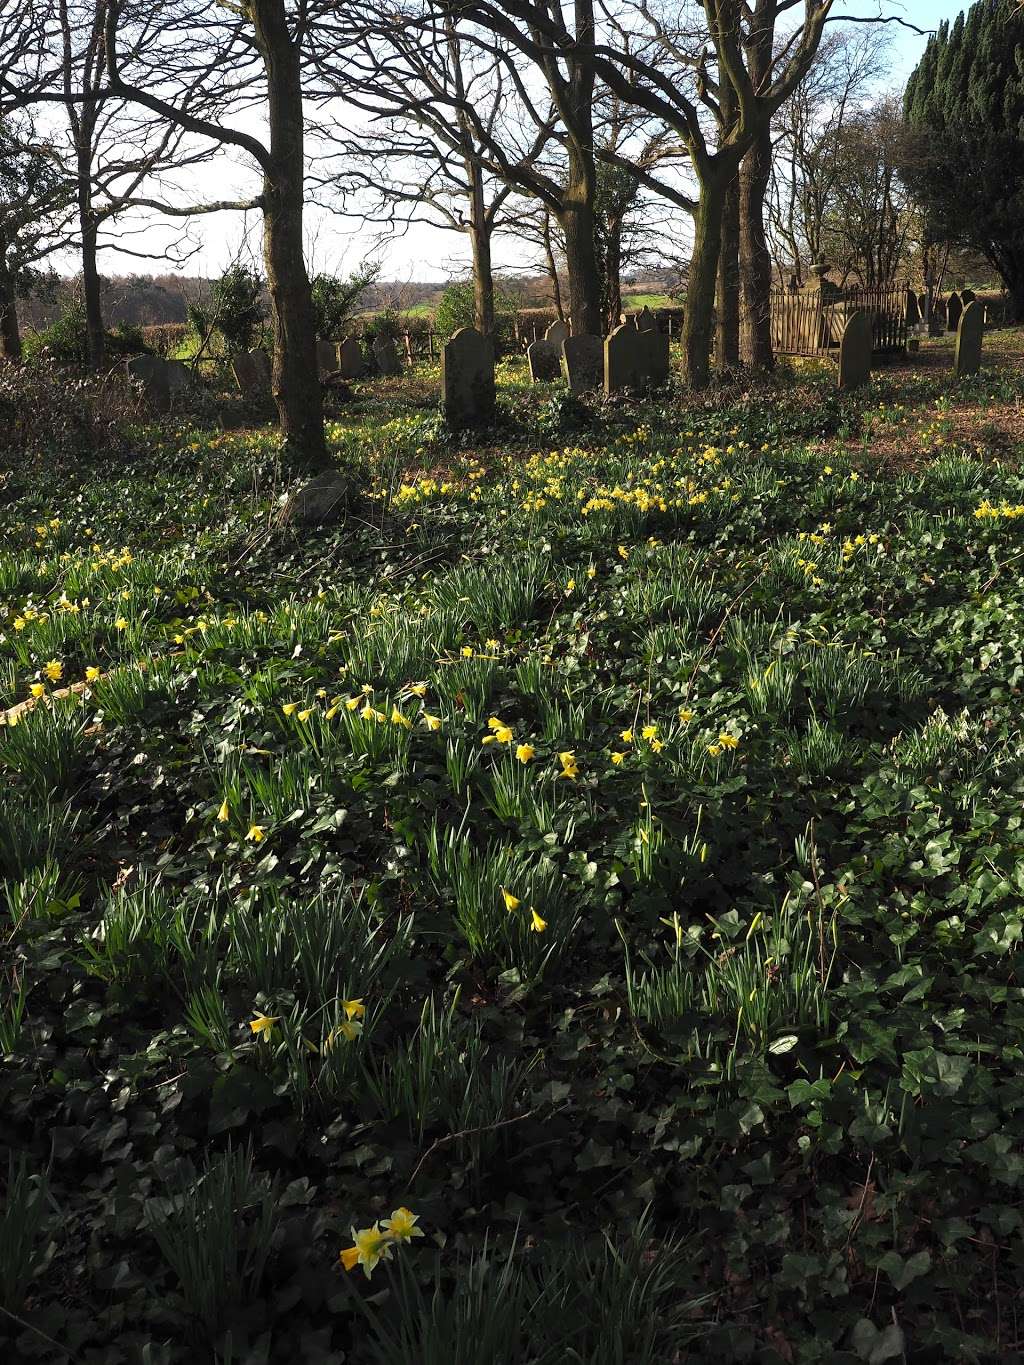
(120, 624)
(714, 750)
(38, 690)
(626, 736)
(330, 713)
(352, 703)
(262, 1026)
(617, 758)
(492, 645)
(224, 814)
(431, 722)
(511, 902)
(305, 713)
(648, 732)
(290, 707)
(20, 623)
(524, 752)
(537, 925)
(685, 715)
(418, 689)
(256, 833)
(354, 1009)
(401, 1226)
(370, 1246)
(92, 673)
(467, 651)
(398, 719)
(728, 741)
(569, 767)
(657, 745)
(54, 670)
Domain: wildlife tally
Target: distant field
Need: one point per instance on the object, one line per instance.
(648, 301)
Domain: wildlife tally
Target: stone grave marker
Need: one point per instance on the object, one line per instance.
(969, 336)
(467, 379)
(151, 372)
(855, 351)
(583, 362)
(351, 362)
(634, 361)
(542, 357)
(326, 358)
(967, 296)
(645, 320)
(252, 373)
(385, 352)
(556, 334)
(913, 310)
(954, 312)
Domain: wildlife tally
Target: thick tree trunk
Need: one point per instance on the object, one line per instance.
(727, 337)
(755, 257)
(699, 312)
(96, 341)
(296, 380)
(10, 333)
(577, 220)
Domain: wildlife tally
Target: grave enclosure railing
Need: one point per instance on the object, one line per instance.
(811, 324)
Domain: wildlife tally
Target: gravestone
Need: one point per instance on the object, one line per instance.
(542, 357)
(151, 372)
(467, 379)
(855, 351)
(969, 335)
(645, 320)
(326, 358)
(967, 296)
(583, 362)
(913, 311)
(351, 362)
(252, 373)
(634, 361)
(556, 334)
(954, 312)
(385, 352)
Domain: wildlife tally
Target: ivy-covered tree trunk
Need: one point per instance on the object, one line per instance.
(727, 336)
(10, 332)
(699, 313)
(296, 380)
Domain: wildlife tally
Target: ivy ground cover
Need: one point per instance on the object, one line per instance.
(568, 911)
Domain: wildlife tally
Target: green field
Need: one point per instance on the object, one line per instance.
(604, 844)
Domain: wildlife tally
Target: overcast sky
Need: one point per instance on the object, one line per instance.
(423, 253)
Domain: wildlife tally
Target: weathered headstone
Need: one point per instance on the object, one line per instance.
(151, 372)
(855, 351)
(954, 312)
(967, 296)
(635, 361)
(385, 352)
(351, 362)
(645, 320)
(583, 362)
(969, 335)
(252, 373)
(913, 311)
(326, 358)
(467, 379)
(556, 334)
(542, 357)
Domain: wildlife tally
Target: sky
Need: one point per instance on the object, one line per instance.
(421, 253)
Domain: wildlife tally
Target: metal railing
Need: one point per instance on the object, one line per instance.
(810, 324)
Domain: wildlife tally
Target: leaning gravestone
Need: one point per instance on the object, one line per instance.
(969, 336)
(467, 379)
(913, 311)
(151, 372)
(645, 320)
(252, 373)
(351, 363)
(385, 352)
(583, 362)
(542, 357)
(855, 351)
(556, 334)
(954, 312)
